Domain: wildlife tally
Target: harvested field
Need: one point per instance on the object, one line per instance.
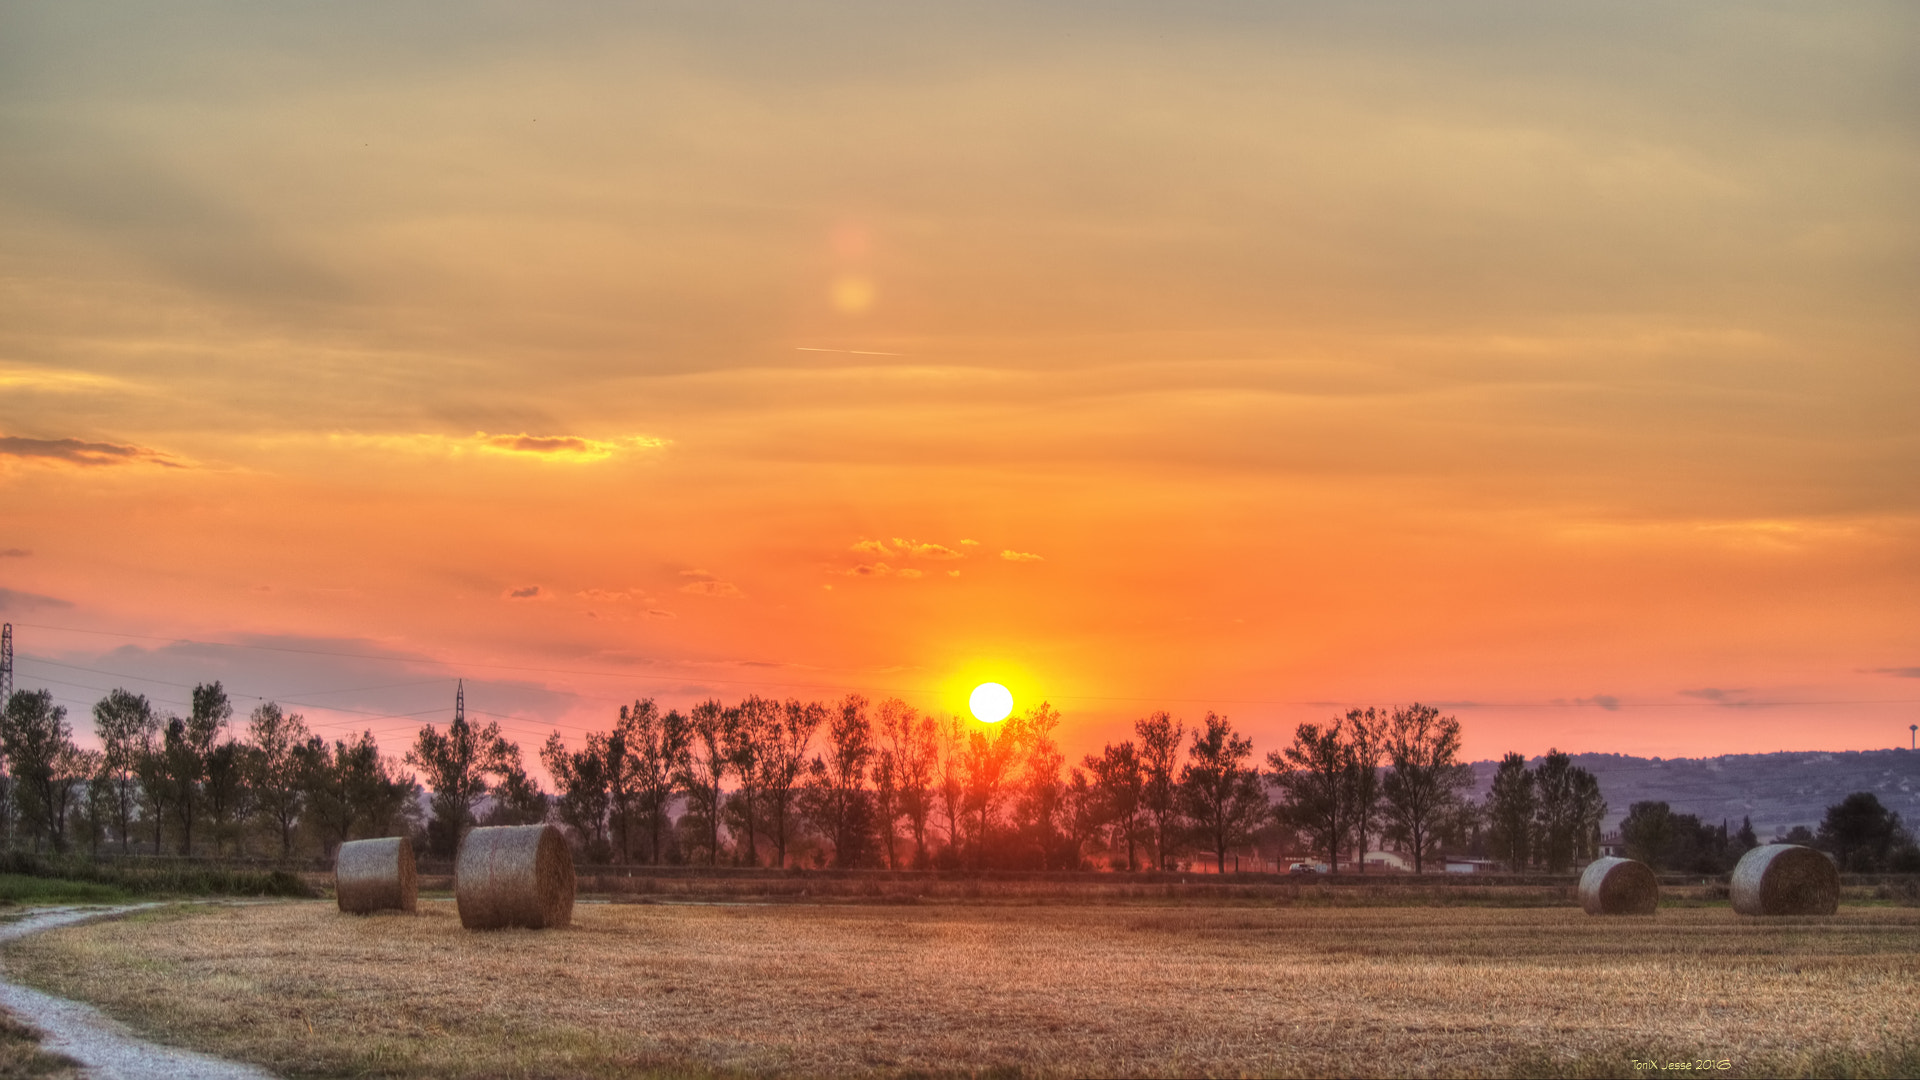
(1055, 990)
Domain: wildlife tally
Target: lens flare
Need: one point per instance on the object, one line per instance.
(991, 702)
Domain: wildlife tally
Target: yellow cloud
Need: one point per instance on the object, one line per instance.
(1020, 556)
(576, 449)
(725, 590)
(918, 550)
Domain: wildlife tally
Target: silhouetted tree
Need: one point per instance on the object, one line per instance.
(349, 787)
(1366, 743)
(702, 770)
(836, 798)
(1859, 833)
(1510, 809)
(1424, 782)
(580, 789)
(1570, 809)
(1159, 742)
(278, 790)
(951, 773)
(461, 767)
(225, 789)
(1119, 785)
(909, 742)
(47, 767)
(786, 770)
(1219, 790)
(186, 747)
(752, 732)
(125, 725)
(1647, 832)
(1312, 775)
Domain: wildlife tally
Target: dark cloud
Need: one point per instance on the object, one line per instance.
(15, 553)
(341, 685)
(80, 452)
(1713, 693)
(14, 600)
(525, 592)
(1605, 701)
(1899, 672)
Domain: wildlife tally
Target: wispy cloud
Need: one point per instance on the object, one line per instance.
(574, 449)
(15, 553)
(81, 452)
(1020, 556)
(725, 590)
(15, 600)
(526, 592)
(881, 569)
(921, 550)
(1899, 672)
(1605, 701)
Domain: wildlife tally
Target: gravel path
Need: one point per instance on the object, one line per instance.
(102, 1044)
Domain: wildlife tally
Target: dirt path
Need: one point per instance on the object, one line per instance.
(102, 1044)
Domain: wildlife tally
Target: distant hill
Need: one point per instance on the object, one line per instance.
(1778, 791)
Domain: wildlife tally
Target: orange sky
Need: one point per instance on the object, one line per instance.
(1555, 366)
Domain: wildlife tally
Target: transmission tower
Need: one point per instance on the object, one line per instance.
(459, 690)
(6, 664)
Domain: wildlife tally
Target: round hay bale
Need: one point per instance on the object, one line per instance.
(1619, 887)
(514, 875)
(1785, 879)
(375, 875)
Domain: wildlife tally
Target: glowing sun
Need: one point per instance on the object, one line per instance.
(991, 702)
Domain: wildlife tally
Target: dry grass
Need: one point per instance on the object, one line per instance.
(21, 1056)
(1002, 990)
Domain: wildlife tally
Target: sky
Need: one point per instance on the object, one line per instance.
(1552, 364)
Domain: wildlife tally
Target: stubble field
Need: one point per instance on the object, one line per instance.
(817, 990)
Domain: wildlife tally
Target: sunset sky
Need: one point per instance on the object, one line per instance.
(1557, 365)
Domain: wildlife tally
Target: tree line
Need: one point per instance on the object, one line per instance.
(1861, 834)
(187, 784)
(852, 783)
(766, 782)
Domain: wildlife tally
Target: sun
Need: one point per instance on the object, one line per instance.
(991, 702)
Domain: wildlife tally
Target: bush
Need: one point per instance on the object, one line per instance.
(160, 879)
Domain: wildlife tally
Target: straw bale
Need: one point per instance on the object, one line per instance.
(1785, 879)
(375, 875)
(1619, 887)
(514, 875)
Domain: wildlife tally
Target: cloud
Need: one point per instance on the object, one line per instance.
(1714, 693)
(18, 378)
(611, 596)
(725, 590)
(918, 550)
(79, 452)
(871, 547)
(575, 449)
(526, 592)
(15, 553)
(1020, 556)
(1605, 701)
(969, 543)
(881, 569)
(14, 600)
(1899, 672)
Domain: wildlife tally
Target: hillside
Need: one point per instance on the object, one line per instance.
(1778, 791)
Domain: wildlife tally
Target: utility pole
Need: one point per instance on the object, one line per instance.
(6, 665)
